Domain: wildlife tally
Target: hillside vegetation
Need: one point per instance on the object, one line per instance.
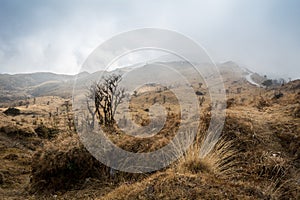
(257, 156)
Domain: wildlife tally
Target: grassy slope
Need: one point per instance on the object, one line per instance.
(264, 131)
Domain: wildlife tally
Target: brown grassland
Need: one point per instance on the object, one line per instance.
(257, 157)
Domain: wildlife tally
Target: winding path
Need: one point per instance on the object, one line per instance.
(249, 78)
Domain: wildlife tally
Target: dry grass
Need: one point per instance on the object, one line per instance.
(220, 161)
(54, 170)
(258, 156)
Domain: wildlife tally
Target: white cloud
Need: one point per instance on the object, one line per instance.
(58, 36)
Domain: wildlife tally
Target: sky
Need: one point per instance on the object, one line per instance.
(58, 35)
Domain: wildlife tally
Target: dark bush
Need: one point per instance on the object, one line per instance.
(1, 178)
(14, 131)
(12, 111)
(230, 102)
(267, 83)
(46, 132)
(199, 93)
(55, 170)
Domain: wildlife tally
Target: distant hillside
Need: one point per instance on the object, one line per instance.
(21, 86)
(19, 81)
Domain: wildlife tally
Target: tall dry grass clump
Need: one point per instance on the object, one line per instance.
(219, 161)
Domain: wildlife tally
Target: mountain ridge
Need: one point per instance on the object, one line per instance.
(24, 85)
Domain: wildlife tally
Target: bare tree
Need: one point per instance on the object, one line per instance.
(91, 96)
(200, 85)
(68, 114)
(107, 95)
(201, 100)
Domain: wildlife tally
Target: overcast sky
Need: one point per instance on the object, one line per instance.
(58, 35)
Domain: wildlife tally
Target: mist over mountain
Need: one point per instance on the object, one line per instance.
(22, 86)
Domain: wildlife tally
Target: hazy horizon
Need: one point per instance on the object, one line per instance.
(57, 36)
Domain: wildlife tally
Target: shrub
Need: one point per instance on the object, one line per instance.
(267, 83)
(230, 102)
(56, 170)
(61, 170)
(46, 132)
(262, 103)
(14, 131)
(296, 111)
(220, 161)
(12, 111)
(1, 178)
